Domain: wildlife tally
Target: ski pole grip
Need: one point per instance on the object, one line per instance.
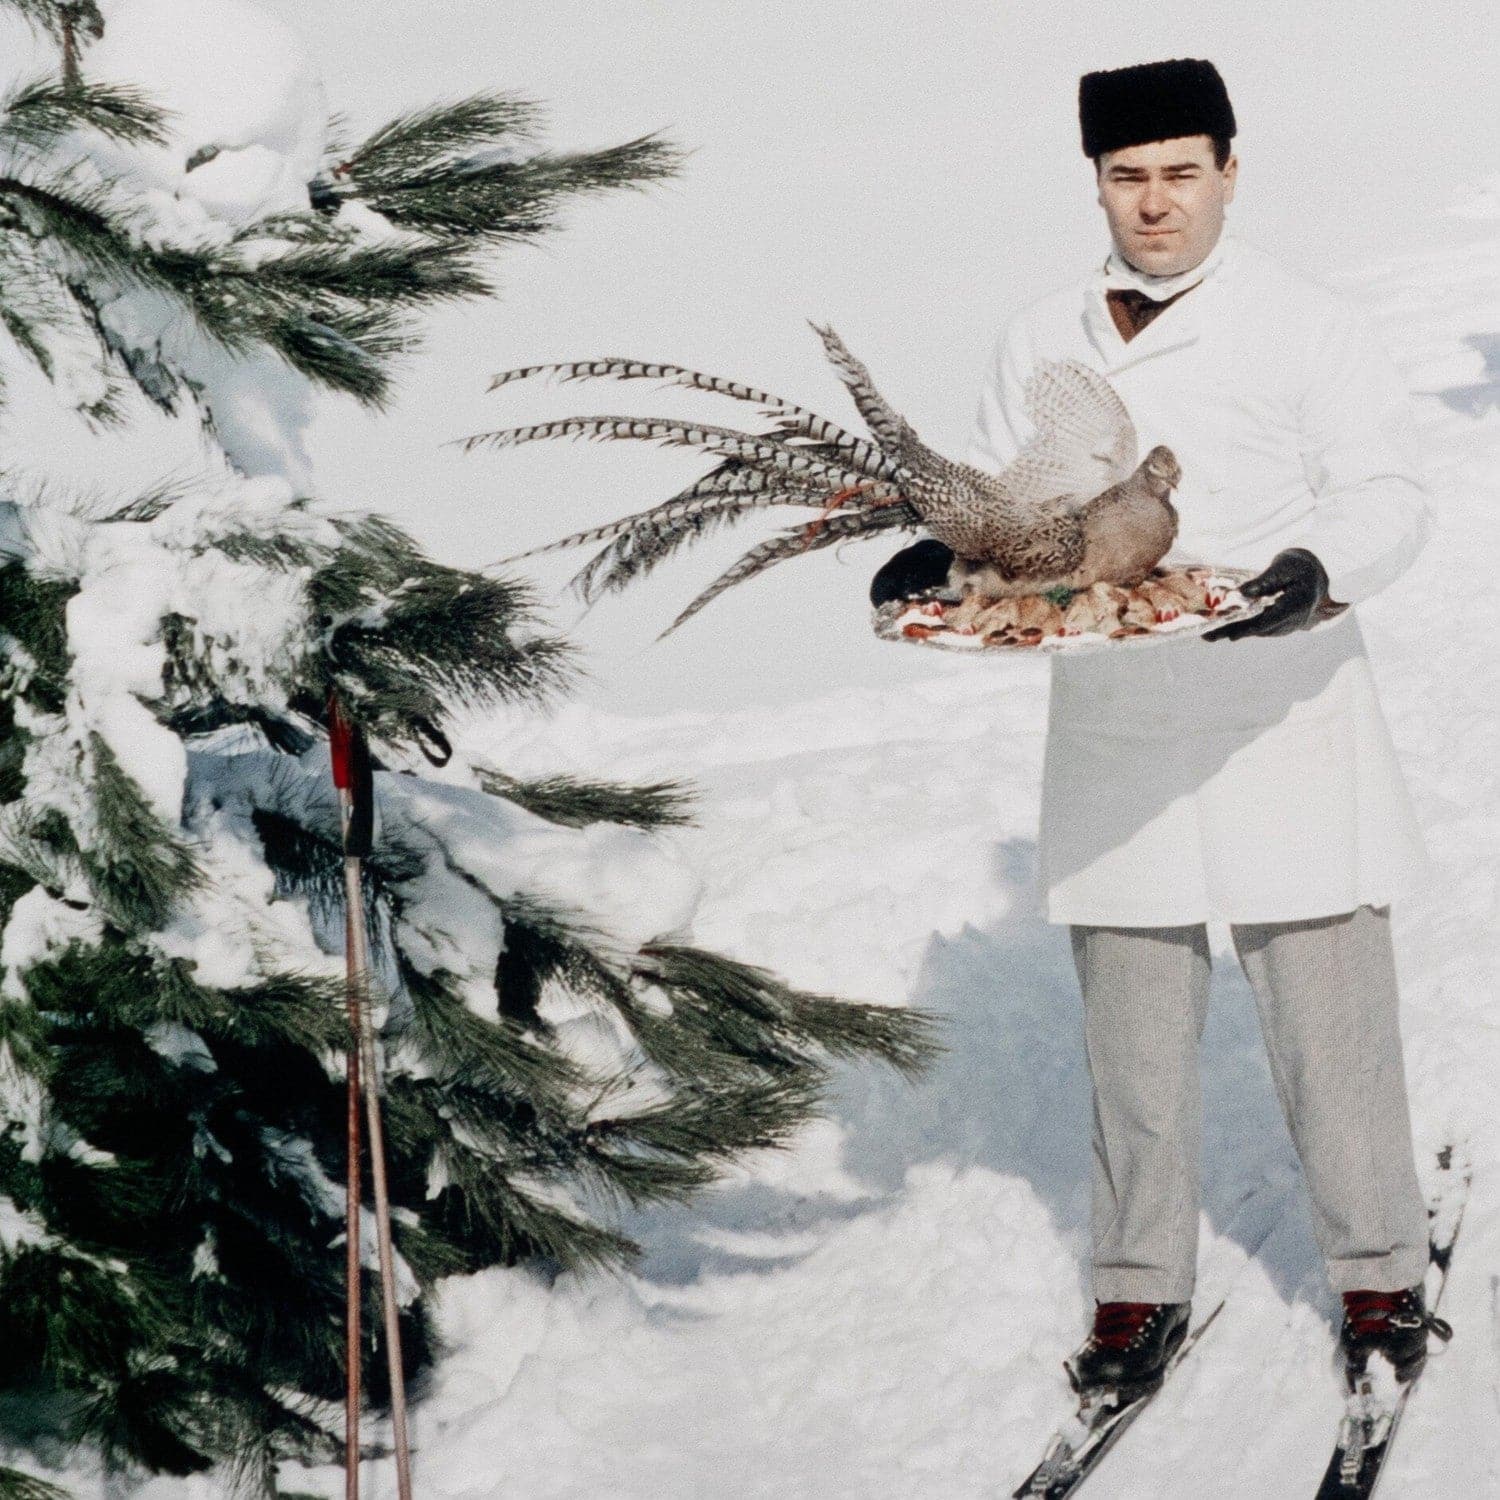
(349, 756)
(340, 744)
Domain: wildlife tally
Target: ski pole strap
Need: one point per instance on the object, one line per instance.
(433, 743)
(349, 755)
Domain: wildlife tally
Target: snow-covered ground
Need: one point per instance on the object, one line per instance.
(883, 1311)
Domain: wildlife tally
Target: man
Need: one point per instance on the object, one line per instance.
(1247, 776)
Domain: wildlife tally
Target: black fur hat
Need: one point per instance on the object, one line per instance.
(1156, 101)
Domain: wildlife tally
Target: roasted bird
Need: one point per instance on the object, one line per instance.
(1071, 510)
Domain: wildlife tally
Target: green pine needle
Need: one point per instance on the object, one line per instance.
(49, 16)
(498, 1056)
(502, 1224)
(699, 1129)
(390, 274)
(509, 201)
(32, 610)
(67, 1316)
(905, 1039)
(35, 114)
(16, 1485)
(81, 216)
(410, 640)
(754, 1015)
(418, 141)
(140, 869)
(576, 802)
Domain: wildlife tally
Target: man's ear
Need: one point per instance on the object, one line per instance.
(1231, 173)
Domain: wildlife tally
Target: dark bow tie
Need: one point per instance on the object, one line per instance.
(1133, 310)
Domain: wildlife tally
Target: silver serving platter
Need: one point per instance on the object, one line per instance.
(892, 618)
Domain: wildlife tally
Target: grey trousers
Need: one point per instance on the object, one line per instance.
(1325, 990)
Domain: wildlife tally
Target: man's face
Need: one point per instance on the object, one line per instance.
(1165, 202)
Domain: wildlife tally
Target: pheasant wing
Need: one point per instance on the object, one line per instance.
(1084, 440)
(1053, 543)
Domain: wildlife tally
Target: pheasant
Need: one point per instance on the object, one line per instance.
(1071, 510)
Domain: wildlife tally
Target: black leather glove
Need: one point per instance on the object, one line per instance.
(923, 565)
(1300, 584)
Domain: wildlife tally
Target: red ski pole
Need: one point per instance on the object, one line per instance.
(352, 776)
(352, 1294)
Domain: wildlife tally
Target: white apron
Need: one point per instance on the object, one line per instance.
(1248, 781)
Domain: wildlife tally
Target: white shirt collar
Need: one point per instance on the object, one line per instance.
(1119, 273)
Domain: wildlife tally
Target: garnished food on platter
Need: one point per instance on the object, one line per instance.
(1169, 603)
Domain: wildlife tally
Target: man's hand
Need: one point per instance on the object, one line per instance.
(1298, 580)
(923, 565)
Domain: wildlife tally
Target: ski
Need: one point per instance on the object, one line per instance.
(1079, 1447)
(1373, 1412)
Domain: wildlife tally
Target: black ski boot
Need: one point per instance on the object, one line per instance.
(1395, 1324)
(912, 571)
(1130, 1347)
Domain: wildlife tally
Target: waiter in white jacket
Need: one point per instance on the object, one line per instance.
(1247, 776)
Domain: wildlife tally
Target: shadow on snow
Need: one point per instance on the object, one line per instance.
(1011, 1095)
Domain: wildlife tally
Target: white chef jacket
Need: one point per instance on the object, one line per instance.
(1255, 780)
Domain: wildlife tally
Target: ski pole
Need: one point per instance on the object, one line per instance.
(353, 778)
(352, 1291)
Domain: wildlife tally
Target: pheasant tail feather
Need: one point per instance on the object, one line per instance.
(795, 420)
(764, 452)
(886, 425)
(787, 544)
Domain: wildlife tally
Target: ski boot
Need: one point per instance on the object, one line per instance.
(1129, 1348)
(1394, 1324)
(1384, 1343)
(1121, 1364)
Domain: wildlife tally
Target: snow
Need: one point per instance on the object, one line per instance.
(181, 1046)
(470, 853)
(245, 131)
(621, 877)
(18, 1227)
(885, 1309)
(244, 95)
(130, 576)
(882, 1310)
(294, 1157)
(1481, 202)
(39, 925)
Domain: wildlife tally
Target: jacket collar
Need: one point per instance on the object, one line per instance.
(1118, 272)
(1180, 324)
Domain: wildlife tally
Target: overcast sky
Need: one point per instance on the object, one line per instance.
(907, 172)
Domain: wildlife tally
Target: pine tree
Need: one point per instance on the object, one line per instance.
(171, 1023)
